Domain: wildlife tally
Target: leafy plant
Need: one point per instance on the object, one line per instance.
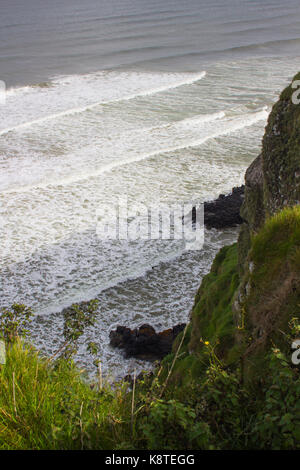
(76, 320)
(14, 322)
(277, 424)
(169, 424)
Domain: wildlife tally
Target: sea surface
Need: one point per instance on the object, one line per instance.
(145, 99)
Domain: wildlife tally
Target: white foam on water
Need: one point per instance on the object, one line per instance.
(107, 154)
(59, 214)
(93, 90)
(67, 154)
(227, 127)
(42, 171)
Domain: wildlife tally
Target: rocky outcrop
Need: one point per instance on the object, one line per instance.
(281, 153)
(224, 211)
(143, 342)
(272, 181)
(264, 302)
(252, 209)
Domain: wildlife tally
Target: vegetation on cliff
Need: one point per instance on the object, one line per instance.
(46, 405)
(229, 382)
(202, 396)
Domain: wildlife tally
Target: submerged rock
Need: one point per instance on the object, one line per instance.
(143, 342)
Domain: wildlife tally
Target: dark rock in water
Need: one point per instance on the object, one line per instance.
(143, 342)
(224, 211)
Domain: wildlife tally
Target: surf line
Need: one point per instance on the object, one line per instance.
(102, 103)
(237, 124)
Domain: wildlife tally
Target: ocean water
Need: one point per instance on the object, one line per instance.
(105, 99)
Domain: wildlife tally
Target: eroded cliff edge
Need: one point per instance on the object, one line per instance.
(273, 179)
(246, 303)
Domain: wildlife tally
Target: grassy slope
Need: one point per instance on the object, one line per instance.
(212, 319)
(204, 403)
(270, 296)
(51, 407)
(271, 286)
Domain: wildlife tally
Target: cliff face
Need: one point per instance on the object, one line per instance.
(269, 292)
(273, 180)
(281, 154)
(245, 304)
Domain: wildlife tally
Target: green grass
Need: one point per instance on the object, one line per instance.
(275, 256)
(212, 321)
(273, 287)
(45, 406)
(278, 241)
(204, 401)
(212, 318)
(274, 294)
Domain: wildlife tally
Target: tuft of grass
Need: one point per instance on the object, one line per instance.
(50, 406)
(278, 238)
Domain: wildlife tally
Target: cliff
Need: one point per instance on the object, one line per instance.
(252, 293)
(229, 382)
(273, 179)
(268, 296)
